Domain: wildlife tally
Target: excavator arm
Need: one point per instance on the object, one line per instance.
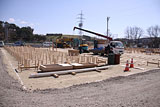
(93, 33)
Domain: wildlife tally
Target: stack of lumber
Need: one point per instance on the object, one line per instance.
(55, 67)
(60, 67)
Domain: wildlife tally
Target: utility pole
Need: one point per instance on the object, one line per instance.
(107, 24)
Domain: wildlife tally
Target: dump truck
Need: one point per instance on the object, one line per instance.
(106, 45)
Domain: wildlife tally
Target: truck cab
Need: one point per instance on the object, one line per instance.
(117, 47)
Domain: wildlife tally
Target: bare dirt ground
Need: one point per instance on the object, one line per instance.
(140, 60)
(137, 90)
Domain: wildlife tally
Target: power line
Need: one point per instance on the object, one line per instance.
(80, 24)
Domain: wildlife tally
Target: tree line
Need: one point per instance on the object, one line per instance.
(134, 34)
(10, 32)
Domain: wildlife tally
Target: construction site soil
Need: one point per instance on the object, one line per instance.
(136, 90)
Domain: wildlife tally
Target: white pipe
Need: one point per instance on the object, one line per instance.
(67, 72)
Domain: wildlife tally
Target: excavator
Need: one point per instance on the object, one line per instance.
(104, 46)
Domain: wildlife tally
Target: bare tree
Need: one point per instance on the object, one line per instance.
(137, 33)
(128, 32)
(134, 34)
(154, 33)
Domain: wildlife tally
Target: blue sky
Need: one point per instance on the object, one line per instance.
(60, 16)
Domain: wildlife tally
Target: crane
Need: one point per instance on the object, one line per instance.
(112, 46)
(109, 38)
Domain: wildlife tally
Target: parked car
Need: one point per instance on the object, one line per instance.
(19, 43)
(1, 43)
(47, 44)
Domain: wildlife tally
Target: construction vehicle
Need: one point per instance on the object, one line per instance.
(83, 47)
(105, 46)
(63, 42)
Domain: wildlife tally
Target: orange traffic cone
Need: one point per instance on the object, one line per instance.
(127, 67)
(131, 65)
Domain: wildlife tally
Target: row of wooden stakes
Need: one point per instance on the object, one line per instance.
(30, 57)
(143, 50)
